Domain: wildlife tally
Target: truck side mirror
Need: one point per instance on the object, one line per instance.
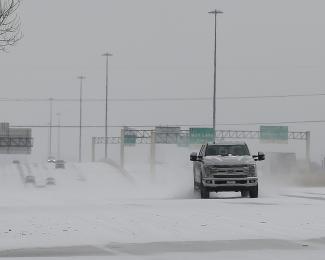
(261, 156)
(193, 157)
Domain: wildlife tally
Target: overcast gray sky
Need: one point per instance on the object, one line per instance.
(165, 49)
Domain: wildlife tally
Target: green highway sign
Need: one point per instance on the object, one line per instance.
(130, 140)
(274, 134)
(130, 136)
(201, 135)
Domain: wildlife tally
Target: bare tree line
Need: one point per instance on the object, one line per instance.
(10, 26)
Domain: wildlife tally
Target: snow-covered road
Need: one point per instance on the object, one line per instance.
(94, 213)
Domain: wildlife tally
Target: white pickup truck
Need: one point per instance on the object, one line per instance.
(226, 166)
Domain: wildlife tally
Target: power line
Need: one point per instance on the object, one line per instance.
(158, 99)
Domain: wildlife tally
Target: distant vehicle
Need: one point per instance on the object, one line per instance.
(15, 161)
(59, 164)
(29, 179)
(226, 166)
(51, 159)
(50, 181)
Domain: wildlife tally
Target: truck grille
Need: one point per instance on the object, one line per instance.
(229, 176)
(230, 170)
(225, 182)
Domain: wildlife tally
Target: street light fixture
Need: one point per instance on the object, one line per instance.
(215, 12)
(81, 78)
(106, 99)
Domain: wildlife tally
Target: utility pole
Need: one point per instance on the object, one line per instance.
(59, 137)
(81, 78)
(106, 101)
(308, 146)
(50, 157)
(215, 12)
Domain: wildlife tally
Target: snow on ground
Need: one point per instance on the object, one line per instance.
(95, 211)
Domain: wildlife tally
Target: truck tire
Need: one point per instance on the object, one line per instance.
(244, 193)
(196, 186)
(205, 194)
(253, 192)
(203, 190)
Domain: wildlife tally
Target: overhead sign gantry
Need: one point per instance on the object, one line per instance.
(15, 140)
(183, 137)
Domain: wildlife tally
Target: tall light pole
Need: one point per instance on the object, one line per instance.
(215, 12)
(50, 157)
(59, 137)
(106, 99)
(81, 78)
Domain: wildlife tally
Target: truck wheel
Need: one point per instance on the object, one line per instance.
(244, 193)
(203, 190)
(204, 193)
(196, 186)
(253, 192)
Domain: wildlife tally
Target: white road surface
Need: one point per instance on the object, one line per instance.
(95, 212)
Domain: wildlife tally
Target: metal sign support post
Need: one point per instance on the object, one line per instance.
(93, 145)
(308, 146)
(122, 149)
(153, 153)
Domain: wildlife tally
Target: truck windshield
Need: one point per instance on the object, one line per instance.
(225, 150)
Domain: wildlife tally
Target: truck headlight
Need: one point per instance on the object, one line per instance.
(252, 170)
(207, 171)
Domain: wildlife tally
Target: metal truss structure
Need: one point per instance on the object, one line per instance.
(15, 140)
(19, 142)
(110, 140)
(146, 136)
(15, 145)
(237, 134)
(131, 137)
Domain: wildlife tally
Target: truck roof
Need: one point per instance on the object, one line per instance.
(228, 143)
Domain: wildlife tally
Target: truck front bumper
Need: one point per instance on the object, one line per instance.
(230, 182)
